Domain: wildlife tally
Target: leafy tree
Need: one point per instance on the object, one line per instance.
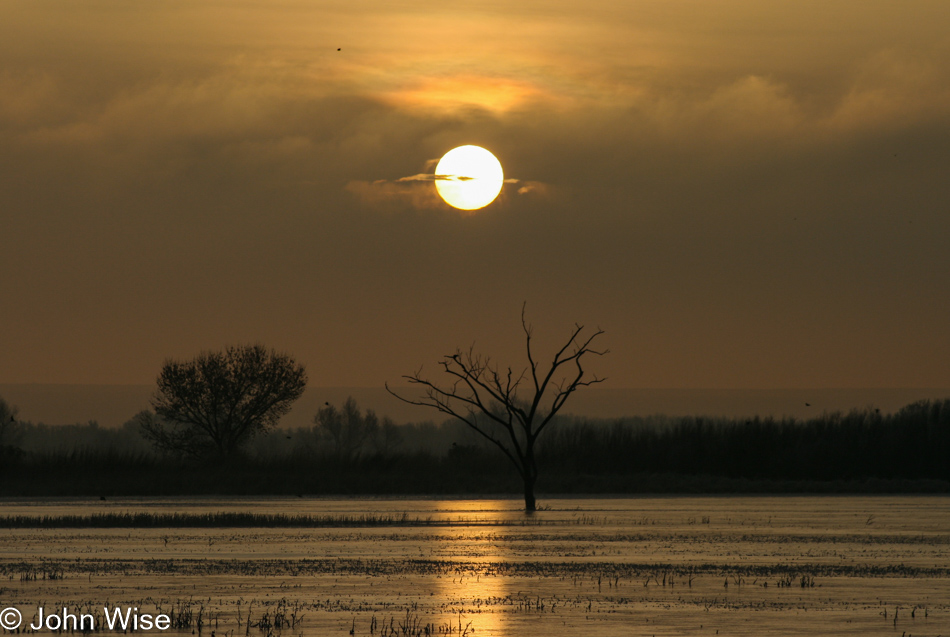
(487, 399)
(216, 403)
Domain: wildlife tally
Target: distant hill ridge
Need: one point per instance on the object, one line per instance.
(112, 405)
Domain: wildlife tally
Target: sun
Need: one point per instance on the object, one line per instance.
(469, 177)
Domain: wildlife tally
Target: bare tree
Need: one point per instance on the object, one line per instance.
(349, 431)
(10, 429)
(486, 398)
(216, 403)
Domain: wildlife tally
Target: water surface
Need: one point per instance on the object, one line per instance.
(652, 566)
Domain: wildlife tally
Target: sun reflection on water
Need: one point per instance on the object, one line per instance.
(476, 597)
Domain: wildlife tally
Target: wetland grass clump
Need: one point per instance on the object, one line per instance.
(412, 625)
(285, 615)
(32, 574)
(611, 573)
(184, 615)
(213, 520)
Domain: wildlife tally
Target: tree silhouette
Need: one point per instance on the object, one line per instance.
(10, 429)
(351, 434)
(216, 403)
(487, 399)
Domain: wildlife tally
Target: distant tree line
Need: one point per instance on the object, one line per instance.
(350, 451)
(913, 443)
(212, 429)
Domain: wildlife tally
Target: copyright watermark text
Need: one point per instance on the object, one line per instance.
(115, 618)
(10, 619)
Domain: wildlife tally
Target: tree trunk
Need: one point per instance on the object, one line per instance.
(530, 506)
(530, 475)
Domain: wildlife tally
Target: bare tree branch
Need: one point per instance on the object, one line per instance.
(477, 388)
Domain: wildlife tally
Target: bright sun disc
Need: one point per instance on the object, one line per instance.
(469, 177)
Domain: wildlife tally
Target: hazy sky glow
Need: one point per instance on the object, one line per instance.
(742, 194)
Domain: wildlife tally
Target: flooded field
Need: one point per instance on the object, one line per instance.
(633, 566)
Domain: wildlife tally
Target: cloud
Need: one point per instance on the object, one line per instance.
(434, 177)
(414, 191)
(720, 184)
(536, 187)
(894, 89)
(395, 195)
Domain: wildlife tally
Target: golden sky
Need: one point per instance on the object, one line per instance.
(742, 194)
